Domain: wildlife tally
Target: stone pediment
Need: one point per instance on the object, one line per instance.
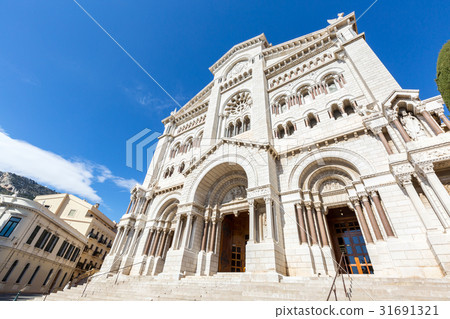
(239, 47)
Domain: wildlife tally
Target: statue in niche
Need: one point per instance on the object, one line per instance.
(237, 193)
(412, 126)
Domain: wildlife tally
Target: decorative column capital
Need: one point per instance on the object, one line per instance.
(404, 179)
(374, 193)
(251, 202)
(425, 167)
(308, 204)
(268, 200)
(354, 200)
(317, 205)
(377, 130)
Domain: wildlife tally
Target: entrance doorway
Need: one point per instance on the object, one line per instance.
(348, 240)
(235, 234)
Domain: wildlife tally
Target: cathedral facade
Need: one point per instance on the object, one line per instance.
(297, 159)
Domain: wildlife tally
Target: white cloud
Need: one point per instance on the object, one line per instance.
(54, 171)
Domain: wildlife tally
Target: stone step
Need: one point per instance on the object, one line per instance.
(232, 287)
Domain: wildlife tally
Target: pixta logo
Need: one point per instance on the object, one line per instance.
(140, 149)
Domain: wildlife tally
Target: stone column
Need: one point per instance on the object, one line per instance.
(444, 119)
(187, 231)
(155, 242)
(401, 129)
(301, 223)
(146, 206)
(322, 230)
(133, 241)
(378, 131)
(362, 220)
(117, 240)
(251, 217)
(129, 205)
(205, 234)
(269, 216)
(177, 232)
(212, 238)
(382, 214)
(431, 122)
(373, 221)
(312, 229)
(123, 239)
(163, 241)
(428, 171)
(406, 182)
(148, 242)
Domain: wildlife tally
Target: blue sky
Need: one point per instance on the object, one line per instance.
(70, 98)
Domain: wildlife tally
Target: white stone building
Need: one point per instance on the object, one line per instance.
(293, 154)
(38, 250)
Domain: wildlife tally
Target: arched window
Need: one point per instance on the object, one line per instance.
(348, 108)
(246, 123)
(230, 130)
(181, 168)
(312, 121)
(175, 150)
(290, 128)
(188, 145)
(238, 127)
(282, 105)
(280, 131)
(331, 85)
(305, 96)
(198, 140)
(336, 112)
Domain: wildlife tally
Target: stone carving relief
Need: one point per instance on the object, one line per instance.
(368, 109)
(331, 185)
(236, 193)
(412, 126)
(435, 154)
(258, 192)
(238, 68)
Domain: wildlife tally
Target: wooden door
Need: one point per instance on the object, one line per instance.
(234, 238)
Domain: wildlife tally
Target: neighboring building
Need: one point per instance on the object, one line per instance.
(89, 221)
(293, 155)
(38, 250)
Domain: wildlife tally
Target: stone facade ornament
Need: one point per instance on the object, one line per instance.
(412, 126)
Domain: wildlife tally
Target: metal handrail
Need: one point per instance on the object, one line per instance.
(338, 272)
(108, 272)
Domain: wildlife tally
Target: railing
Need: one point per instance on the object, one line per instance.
(341, 269)
(96, 274)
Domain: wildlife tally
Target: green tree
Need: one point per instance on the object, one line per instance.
(443, 73)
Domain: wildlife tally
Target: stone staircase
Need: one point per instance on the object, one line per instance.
(244, 287)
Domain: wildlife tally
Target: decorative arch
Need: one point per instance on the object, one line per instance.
(236, 160)
(361, 165)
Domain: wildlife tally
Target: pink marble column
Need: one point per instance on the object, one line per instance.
(444, 119)
(373, 221)
(402, 131)
(382, 214)
(362, 220)
(312, 228)
(301, 224)
(431, 122)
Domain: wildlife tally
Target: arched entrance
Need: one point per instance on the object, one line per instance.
(235, 234)
(347, 239)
